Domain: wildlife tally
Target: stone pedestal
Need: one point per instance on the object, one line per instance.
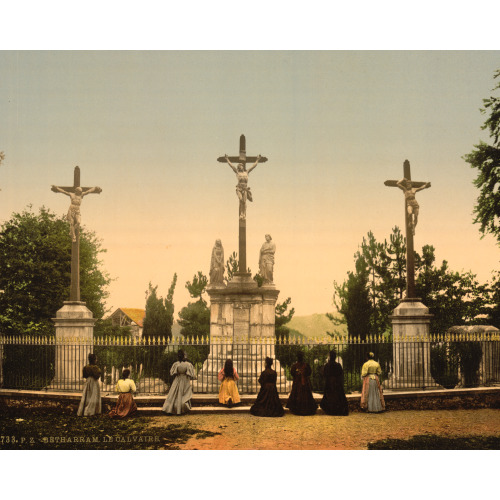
(411, 350)
(74, 326)
(242, 327)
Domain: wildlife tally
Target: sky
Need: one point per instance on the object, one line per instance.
(148, 127)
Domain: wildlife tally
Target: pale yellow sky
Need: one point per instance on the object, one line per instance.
(147, 127)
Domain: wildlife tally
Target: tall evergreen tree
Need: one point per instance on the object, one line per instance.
(159, 312)
(352, 299)
(368, 296)
(195, 317)
(283, 315)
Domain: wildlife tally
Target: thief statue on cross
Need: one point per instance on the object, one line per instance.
(412, 206)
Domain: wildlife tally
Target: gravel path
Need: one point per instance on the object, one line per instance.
(323, 432)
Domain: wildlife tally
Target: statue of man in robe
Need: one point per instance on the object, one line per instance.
(266, 259)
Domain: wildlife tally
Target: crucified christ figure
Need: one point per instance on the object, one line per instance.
(73, 216)
(412, 206)
(242, 189)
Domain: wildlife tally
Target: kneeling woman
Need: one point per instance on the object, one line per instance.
(228, 392)
(90, 403)
(125, 405)
(268, 401)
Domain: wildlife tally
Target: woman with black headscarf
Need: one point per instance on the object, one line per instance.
(334, 401)
(268, 401)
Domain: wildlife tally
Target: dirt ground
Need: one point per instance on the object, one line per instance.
(323, 432)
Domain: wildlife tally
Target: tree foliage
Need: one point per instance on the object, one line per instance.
(197, 287)
(195, 317)
(159, 316)
(368, 296)
(282, 316)
(486, 159)
(35, 271)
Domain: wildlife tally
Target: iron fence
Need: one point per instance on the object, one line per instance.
(46, 363)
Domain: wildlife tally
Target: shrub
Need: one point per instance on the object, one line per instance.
(444, 364)
(27, 366)
(469, 355)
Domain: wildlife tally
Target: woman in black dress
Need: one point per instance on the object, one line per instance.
(301, 400)
(268, 402)
(334, 401)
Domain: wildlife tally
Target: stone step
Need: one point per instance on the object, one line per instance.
(207, 410)
(200, 400)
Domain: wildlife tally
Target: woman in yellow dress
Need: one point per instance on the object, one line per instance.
(125, 406)
(372, 397)
(228, 392)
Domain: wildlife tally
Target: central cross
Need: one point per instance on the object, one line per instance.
(76, 193)
(409, 188)
(243, 192)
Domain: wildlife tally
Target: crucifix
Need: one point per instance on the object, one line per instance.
(76, 193)
(243, 192)
(409, 189)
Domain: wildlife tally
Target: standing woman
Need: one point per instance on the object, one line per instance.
(228, 392)
(125, 405)
(268, 401)
(334, 401)
(301, 400)
(90, 403)
(372, 398)
(179, 396)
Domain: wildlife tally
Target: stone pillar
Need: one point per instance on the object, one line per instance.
(242, 327)
(411, 357)
(74, 326)
(1, 361)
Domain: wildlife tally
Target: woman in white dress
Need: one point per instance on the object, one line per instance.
(179, 397)
(90, 403)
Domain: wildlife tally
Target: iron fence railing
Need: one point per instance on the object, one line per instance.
(44, 363)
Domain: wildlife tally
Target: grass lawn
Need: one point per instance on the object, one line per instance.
(433, 442)
(25, 429)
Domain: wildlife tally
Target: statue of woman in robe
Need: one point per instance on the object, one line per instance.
(217, 264)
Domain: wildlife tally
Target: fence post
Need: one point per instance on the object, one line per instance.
(74, 326)
(411, 365)
(1, 359)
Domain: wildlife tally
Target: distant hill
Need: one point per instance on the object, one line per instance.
(315, 325)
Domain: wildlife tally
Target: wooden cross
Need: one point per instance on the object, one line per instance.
(242, 159)
(76, 193)
(411, 216)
